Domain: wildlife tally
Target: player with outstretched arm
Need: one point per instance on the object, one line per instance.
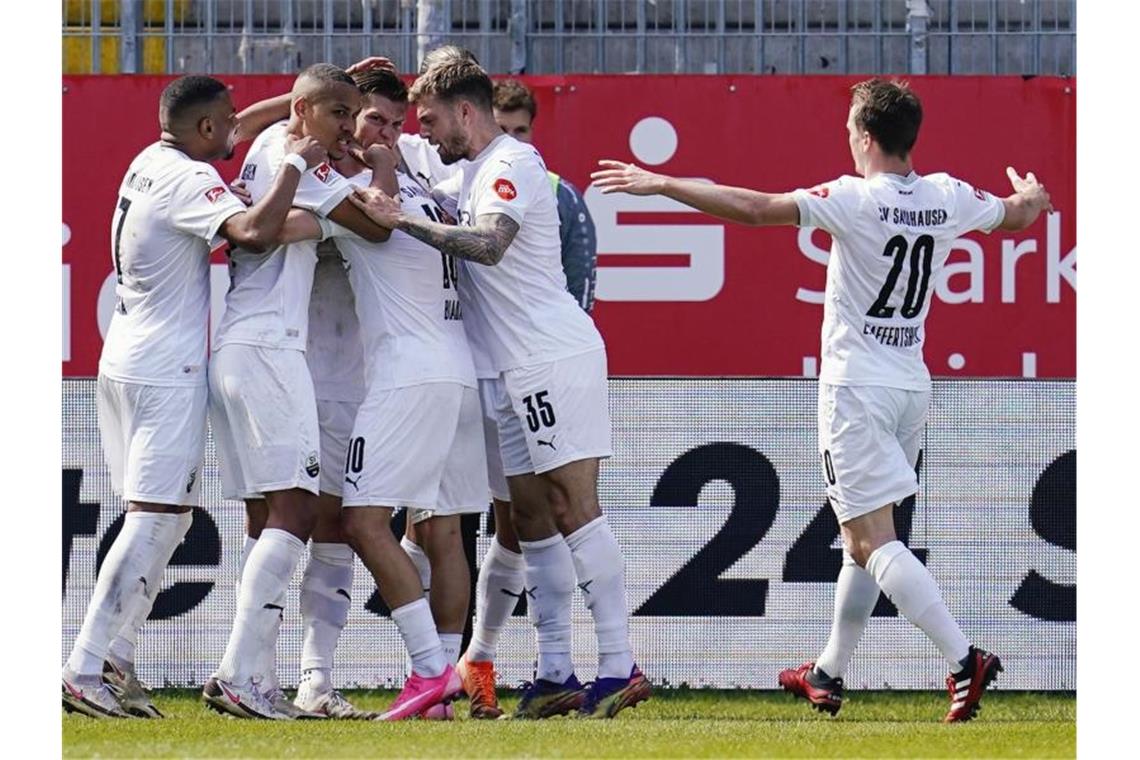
(892, 231)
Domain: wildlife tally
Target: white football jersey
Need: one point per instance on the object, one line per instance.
(410, 315)
(335, 353)
(268, 301)
(169, 210)
(518, 312)
(891, 236)
(423, 161)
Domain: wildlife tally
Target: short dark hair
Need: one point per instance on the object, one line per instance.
(186, 93)
(890, 112)
(451, 81)
(383, 83)
(326, 73)
(513, 95)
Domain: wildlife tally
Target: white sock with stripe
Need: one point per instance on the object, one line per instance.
(855, 596)
(550, 571)
(120, 587)
(265, 580)
(122, 650)
(911, 587)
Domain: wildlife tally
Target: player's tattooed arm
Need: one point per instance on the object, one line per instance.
(736, 204)
(484, 243)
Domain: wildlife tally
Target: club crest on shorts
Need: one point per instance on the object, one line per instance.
(312, 465)
(505, 189)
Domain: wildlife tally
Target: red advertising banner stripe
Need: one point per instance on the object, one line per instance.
(748, 301)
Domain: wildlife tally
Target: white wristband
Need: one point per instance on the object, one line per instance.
(296, 162)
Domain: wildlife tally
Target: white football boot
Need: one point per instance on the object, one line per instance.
(127, 688)
(93, 699)
(239, 700)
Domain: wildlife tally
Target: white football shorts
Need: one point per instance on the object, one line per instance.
(869, 441)
(264, 416)
(420, 447)
(154, 439)
(335, 419)
(489, 391)
(555, 413)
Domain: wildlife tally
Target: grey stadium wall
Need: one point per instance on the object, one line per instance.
(716, 495)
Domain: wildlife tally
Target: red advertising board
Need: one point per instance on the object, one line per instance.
(680, 293)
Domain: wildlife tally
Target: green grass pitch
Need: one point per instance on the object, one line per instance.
(675, 723)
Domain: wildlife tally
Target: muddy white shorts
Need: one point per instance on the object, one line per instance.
(869, 440)
(153, 440)
(421, 447)
(264, 416)
(554, 413)
(335, 419)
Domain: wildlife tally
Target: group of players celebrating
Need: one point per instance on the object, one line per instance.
(398, 334)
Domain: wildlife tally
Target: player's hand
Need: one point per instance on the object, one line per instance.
(237, 187)
(380, 158)
(1029, 188)
(620, 177)
(307, 148)
(380, 207)
(372, 62)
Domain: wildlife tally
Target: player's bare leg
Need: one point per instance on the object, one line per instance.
(550, 578)
(500, 584)
(433, 681)
(268, 570)
(871, 541)
(440, 541)
(124, 593)
(600, 570)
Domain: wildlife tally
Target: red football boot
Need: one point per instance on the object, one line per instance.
(966, 686)
(825, 695)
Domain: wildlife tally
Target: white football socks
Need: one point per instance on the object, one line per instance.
(451, 643)
(326, 591)
(855, 596)
(420, 559)
(122, 649)
(601, 577)
(550, 571)
(908, 584)
(246, 547)
(420, 637)
(122, 582)
(501, 581)
(264, 582)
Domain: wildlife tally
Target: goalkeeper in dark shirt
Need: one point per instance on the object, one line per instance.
(515, 110)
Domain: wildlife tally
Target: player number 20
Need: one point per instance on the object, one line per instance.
(921, 254)
(539, 412)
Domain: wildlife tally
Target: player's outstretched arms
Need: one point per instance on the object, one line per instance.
(259, 228)
(736, 204)
(1029, 199)
(484, 243)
